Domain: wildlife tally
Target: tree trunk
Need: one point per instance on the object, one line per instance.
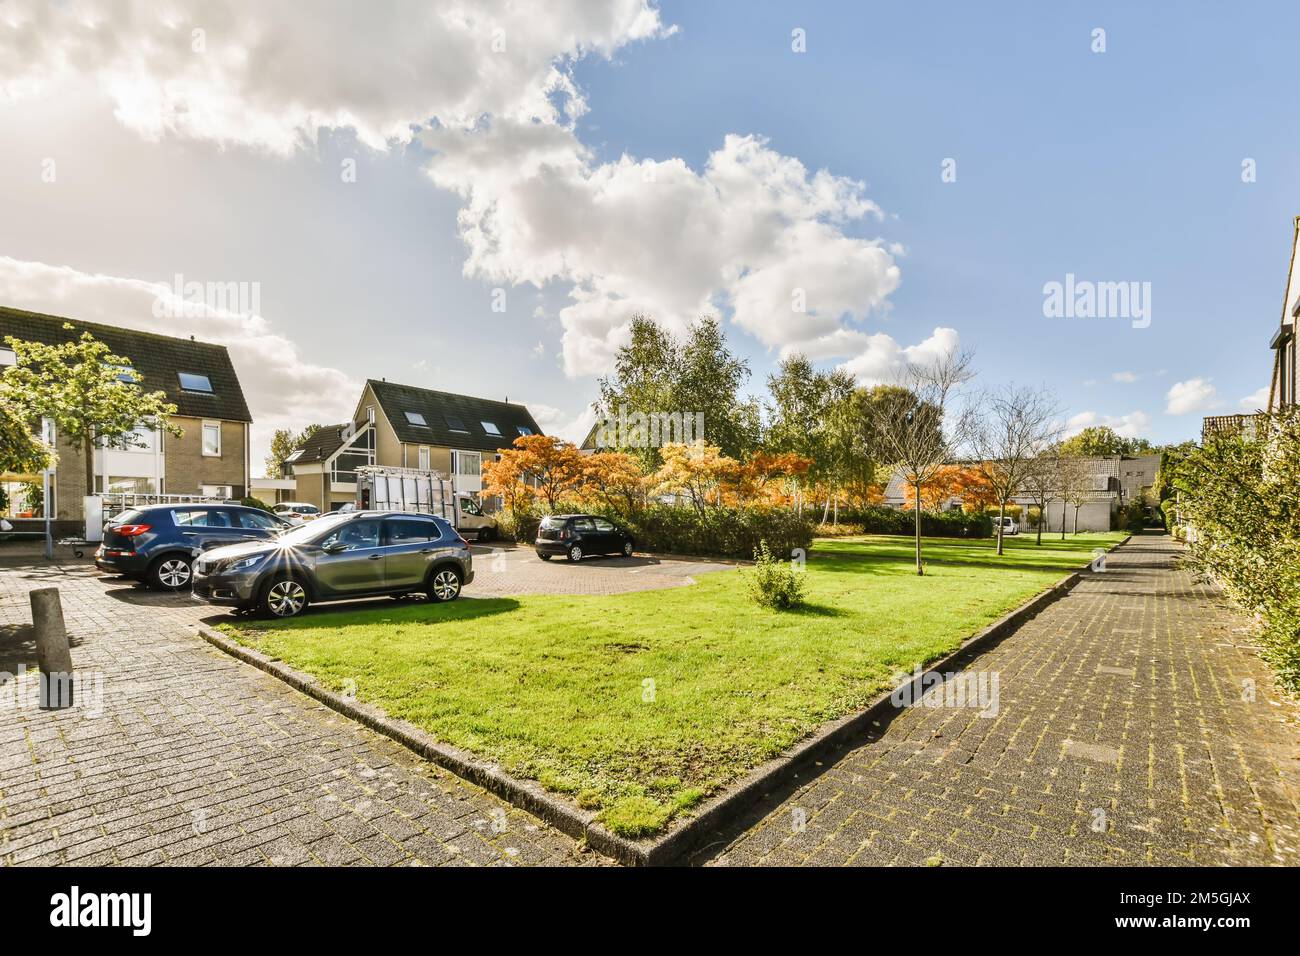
(1042, 520)
(837, 509)
(920, 569)
(88, 444)
(826, 510)
(1002, 513)
(1076, 519)
(1064, 503)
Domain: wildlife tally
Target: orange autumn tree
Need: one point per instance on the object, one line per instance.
(552, 466)
(615, 479)
(694, 472)
(505, 478)
(954, 481)
(973, 488)
(767, 477)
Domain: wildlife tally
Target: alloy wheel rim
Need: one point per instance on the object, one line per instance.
(173, 573)
(445, 585)
(575, 553)
(627, 548)
(286, 598)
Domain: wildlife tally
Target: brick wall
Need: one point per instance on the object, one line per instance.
(187, 468)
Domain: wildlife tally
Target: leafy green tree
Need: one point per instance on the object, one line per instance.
(87, 391)
(283, 444)
(1099, 441)
(21, 451)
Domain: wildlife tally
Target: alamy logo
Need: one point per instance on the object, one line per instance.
(974, 689)
(192, 300)
(1084, 299)
(642, 430)
(75, 908)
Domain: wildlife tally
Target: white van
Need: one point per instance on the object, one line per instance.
(1009, 526)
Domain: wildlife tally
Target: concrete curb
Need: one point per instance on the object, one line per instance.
(684, 835)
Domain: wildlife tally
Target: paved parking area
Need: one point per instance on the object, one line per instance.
(1135, 724)
(191, 757)
(502, 571)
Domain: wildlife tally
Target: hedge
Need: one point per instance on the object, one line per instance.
(678, 529)
(934, 524)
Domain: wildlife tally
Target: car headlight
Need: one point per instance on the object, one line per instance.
(243, 564)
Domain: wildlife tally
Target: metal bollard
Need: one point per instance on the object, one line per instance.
(53, 655)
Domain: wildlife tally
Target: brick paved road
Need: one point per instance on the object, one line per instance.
(198, 758)
(1122, 736)
(501, 571)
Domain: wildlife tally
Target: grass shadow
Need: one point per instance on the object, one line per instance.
(382, 611)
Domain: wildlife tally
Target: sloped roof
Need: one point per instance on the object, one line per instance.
(157, 359)
(435, 407)
(325, 442)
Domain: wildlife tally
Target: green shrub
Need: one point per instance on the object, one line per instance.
(1236, 495)
(879, 519)
(248, 501)
(774, 583)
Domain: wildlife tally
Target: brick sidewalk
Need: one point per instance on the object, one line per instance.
(1125, 734)
(198, 758)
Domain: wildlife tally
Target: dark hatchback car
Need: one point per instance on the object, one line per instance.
(338, 557)
(157, 544)
(577, 536)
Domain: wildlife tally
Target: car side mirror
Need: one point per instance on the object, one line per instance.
(334, 547)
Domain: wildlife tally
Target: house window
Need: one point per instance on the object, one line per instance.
(215, 491)
(212, 439)
(194, 382)
(490, 428)
(415, 418)
(424, 458)
(523, 430)
(7, 357)
(370, 414)
(130, 486)
(467, 463)
(455, 424)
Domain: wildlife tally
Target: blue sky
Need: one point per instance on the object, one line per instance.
(1115, 166)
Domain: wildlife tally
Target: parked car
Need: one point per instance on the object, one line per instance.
(337, 557)
(473, 522)
(296, 512)
(1009, 526)
(576, 536)
(157, 544)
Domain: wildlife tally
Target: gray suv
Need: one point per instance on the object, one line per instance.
(336, 557)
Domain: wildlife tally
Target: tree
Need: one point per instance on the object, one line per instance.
(88, 392)
(554, 466)
(615, 478)
(656, 377)
(694, 471)
(1076, 488)
(21, 451)
(1016, 425)
(1100, 441)
(283, 444)
(505, 477)
(912, 427)
(766, 475)
(1042, 485)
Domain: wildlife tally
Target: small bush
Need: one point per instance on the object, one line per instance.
(879, 519)
(774, 583)
(248, 501)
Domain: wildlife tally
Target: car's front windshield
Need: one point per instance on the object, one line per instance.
(310, 532)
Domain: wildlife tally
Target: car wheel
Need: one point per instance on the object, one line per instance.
(627, 549)
(284, 597)
(171, 572)
(444, 584)
(575, 554)
(485, 534)
(544, 557)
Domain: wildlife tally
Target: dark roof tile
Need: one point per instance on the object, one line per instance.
(396, 400)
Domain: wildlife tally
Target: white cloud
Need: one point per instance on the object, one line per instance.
(754, 230)
(1127, 378)
(282, 388)
(1255, 401)
(272, 74)
(1193, 395)
(1132, 425)
(882, 359)
(559, 424)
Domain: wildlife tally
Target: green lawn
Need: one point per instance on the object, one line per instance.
(557, 688)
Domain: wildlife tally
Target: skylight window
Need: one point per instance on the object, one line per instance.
(7, 357)
(128, 375)
(490, 428)
(523, 429)
(194, 382)
(415, 418)
(455, 424)
(294, 456)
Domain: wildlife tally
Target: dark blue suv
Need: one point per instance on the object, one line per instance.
(158, 544)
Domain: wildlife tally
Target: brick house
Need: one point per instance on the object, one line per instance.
(211, 457)
(408, 427)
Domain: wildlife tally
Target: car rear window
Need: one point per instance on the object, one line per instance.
(128, 517)
(550, 522)
(201, 518)
(404, 530)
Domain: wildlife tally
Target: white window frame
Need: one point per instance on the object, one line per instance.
(370, 414)
(8, 356)
(203, 439)
(424, 458)
(458, 456)
(216, 491)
